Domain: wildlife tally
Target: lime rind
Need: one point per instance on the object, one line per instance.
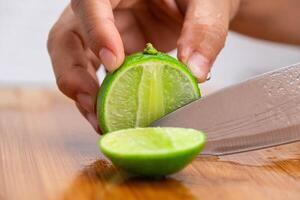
(149, 49)
(152, 151)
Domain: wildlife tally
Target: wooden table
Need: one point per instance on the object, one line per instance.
(48, 151)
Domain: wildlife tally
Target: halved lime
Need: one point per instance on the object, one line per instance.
(147, 86)
(152, 151)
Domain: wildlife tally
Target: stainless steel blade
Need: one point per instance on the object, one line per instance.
(258, 113)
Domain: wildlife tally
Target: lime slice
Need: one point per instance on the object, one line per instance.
(147, 86)
(152, 151)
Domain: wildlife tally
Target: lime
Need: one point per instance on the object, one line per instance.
(147, 86)
(152, 151)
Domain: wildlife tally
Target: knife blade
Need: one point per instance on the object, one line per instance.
(261, 112)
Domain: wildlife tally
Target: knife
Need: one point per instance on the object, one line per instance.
(258, 113)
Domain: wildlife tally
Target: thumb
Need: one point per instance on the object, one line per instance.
(97, 20)
(204, 33)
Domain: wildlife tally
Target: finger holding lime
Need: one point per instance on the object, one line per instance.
(147, 86)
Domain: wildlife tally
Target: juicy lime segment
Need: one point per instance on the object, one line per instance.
(152, 151)
(144, 89)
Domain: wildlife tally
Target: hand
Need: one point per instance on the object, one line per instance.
(102, 31)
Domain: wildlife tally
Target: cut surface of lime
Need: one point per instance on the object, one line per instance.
(152, 151)
(146, 87)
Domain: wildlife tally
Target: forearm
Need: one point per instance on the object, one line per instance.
(276, 20)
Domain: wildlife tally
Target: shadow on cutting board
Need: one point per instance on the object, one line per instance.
(101, 180)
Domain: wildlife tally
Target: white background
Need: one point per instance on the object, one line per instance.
(24, 26)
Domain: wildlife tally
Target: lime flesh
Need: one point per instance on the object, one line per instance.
(152, 151)
(145, 88)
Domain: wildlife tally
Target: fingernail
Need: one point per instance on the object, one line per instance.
(208, 77)
(108, 59)
(86, 102)
(199, 66)
(91, 117)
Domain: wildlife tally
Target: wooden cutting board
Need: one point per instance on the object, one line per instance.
(48, 151)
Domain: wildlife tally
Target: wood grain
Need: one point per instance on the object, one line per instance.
(48, 151)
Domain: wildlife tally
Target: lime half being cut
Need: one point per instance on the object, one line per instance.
(152, 151)
(146, 87)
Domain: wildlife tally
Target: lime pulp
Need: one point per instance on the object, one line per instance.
(146, 87)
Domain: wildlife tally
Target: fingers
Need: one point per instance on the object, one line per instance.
(90, 117)
(96, 17)
(132, 36)
(74, 71)
(71, 67)
(204, 33)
